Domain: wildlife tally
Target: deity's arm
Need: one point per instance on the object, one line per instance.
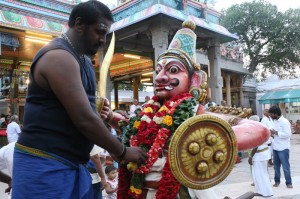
(249, 133)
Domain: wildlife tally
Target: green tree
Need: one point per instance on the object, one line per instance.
(268, 37)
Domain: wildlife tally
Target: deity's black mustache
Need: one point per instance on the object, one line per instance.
(174, 82)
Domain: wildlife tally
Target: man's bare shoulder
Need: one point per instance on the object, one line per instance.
(55, 65)
(57, 58)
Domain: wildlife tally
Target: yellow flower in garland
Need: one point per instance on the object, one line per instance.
(168, 120)
(135, 190)
(131, 166)
(136, 124)
(148, 110)
(163, 108)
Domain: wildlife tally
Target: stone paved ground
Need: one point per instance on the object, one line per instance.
(239, 180)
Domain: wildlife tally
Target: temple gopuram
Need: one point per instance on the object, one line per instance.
(143, 29)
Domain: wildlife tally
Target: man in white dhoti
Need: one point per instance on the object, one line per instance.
(266, 120)
(259, 160)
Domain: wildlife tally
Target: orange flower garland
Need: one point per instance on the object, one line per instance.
(150, 130)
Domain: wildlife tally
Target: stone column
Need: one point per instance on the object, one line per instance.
(135, 88)
(228, 90)
(236, 99)
(215, 79)
(160, 42)
(241, 93)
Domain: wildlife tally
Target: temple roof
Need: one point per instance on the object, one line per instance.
(177, 14)
(51, 16)
(23, 22)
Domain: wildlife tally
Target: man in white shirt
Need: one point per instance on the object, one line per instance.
(96, 171)
(281, 133)
(258, 158)
(13, 129)
(6, 162)
(133, 107)
(266, 120)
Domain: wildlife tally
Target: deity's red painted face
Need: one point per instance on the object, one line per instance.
(172, 78)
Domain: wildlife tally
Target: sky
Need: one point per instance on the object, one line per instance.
(282, 5)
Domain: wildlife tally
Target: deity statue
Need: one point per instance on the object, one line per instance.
(180, 88)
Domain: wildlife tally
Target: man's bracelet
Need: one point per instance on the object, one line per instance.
(123, 152)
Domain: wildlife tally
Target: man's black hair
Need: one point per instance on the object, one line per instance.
(275, 110)
(89, 12)
(109, 168)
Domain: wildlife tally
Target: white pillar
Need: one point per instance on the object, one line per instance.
(215, 79)
(160, 33)
(228, 90)
(241, 93)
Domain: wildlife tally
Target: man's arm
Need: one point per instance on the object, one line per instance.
(5, 179)
(250, 161)
(18, 129)
(59, 71)
(96, 160)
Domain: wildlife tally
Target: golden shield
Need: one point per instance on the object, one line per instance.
(202, 151)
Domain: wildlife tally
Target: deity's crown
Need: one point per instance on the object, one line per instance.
(183, 46)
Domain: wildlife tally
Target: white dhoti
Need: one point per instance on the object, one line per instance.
(155, 176)
(260, 173)
(261, 178)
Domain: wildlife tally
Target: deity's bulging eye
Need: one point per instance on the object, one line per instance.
(174, 69)
(158, 69)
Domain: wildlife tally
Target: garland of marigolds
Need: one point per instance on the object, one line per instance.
(151, 130)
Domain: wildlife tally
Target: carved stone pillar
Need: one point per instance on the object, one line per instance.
(241, 93)
(160, 42)
(135, 88)
(228, 90)
(215, 79)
